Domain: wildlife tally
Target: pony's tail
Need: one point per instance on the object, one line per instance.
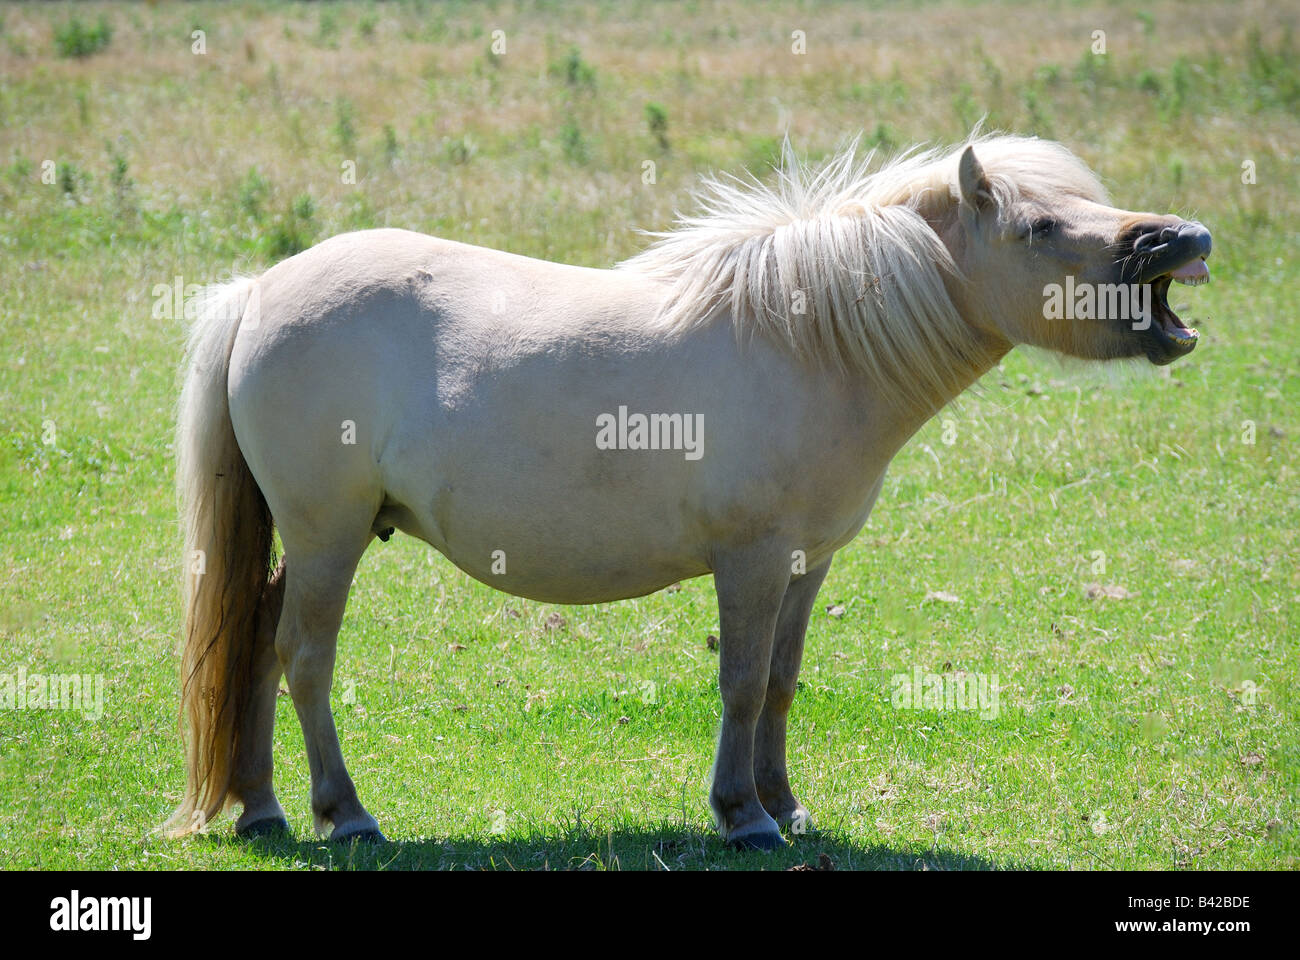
(228, 550)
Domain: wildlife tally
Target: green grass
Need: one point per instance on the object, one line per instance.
(1156, 731)
(75, 39)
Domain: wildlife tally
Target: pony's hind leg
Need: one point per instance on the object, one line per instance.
(770, 775)
(316, 591)
(251, 778)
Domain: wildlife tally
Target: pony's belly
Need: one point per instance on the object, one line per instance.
(559, 585)
(596, 548)
(561, 561)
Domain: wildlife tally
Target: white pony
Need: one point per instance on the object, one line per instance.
(724, 403)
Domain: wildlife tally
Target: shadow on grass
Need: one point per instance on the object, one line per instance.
(640, 848)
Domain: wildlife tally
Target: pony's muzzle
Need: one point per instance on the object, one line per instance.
(1156, 253)
(1164, 247)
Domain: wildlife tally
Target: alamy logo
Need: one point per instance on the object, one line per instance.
(1098, 301)
(656, 431)
(53, 691)
(179, 300)
(935, 691)
(134, 914)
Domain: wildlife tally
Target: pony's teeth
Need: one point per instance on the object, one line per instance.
(1192, 274)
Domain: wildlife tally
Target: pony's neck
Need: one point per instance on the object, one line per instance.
(908, 416)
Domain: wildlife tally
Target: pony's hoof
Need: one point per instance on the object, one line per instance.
(266, 827)
(361, 834)
(765, 841)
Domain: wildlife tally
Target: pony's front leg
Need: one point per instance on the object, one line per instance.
(315, 594)
(750, 585)
(770, 775)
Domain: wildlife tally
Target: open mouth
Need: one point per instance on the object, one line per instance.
(1176, 338)
(1177, 255)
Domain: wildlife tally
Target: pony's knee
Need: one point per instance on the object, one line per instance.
(780, 697)
(308, 667)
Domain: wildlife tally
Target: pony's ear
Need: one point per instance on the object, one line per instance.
(975, 192)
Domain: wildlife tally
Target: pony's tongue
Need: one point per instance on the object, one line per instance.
(1196, 272)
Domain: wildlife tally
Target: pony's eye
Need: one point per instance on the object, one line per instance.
(1037, 229)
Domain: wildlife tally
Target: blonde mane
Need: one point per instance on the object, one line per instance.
(839, 263)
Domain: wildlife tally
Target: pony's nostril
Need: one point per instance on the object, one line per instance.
(1146, 241)
(1157, 237)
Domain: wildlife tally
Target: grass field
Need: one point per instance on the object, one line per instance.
(1154, 726)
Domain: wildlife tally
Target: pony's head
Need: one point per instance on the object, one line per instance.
(1049, 262)
(920, 273)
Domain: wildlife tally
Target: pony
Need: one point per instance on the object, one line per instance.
(726, 402)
